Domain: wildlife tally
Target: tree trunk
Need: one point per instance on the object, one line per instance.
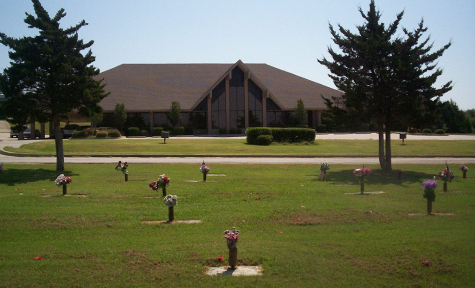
(388, 150)
(382, 158)
(58, 140)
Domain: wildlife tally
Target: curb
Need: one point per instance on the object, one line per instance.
(6, 153)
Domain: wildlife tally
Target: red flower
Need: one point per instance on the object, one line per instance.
(220, 258)
(297, 219)
(257, 198)
(426, 263)
(280, 232)
(37, 258)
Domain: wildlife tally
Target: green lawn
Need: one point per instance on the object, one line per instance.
(177, 146)
(339, 240)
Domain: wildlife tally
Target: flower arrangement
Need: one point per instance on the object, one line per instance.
(62, 180)
(162, 182)
(170, 200)
(232, 237)
(464, 170)
(204, 169)
(362, 172)
(446, 175)
(429, 193)
(122, 167)
(324, 167)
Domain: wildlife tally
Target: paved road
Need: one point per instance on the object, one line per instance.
(6, 141)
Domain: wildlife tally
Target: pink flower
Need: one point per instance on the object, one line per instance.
(280, 232)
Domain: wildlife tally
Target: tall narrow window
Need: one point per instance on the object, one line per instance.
(218, 106)
(255, 105)
(236, 99)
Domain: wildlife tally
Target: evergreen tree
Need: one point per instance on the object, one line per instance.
(300, 114)
(174, 116)
(49, 76)
(386, 79)
(119, 116)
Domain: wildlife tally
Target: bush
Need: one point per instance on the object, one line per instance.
(427, 131)
(102, 134)
(114, 133)
(439, 131)
(254, 132)
(412, 130)
(178, 130)
(322, 128)
(144, 133)
(281, 134)
(222, 131)
(133, 131)
(264, 140)
(89, 132)
(157, 131)
(79, 134)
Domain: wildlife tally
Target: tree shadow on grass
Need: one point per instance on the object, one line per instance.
(12, 176)
(346, 177)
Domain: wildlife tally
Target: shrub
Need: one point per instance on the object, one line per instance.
(157, 131)
(439, 131)
(413, 130)
(89, 132)
(144, 133)
(281, 134)
(264, 140)
(114, 133)
(322, 128)
(79, 134)
(254, 132)
(133, 131)
(102, 134)
(178, 130)
(222, 131)
(427, 131)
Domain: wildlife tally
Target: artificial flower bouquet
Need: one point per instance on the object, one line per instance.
(446, 175)
(429, 187)
(232, 237)
(170, 200)
(122, 166)
(62, 180)
(324, 167)
(463, 168)
(204, 169)
(162, 182)
(362, 172)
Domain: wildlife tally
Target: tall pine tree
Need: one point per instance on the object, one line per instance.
(50, 76)
(385, 78)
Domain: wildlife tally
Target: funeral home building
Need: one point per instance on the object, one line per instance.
(213, 97)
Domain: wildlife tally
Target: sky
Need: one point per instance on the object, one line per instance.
(290, 35)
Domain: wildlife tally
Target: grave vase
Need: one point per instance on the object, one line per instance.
(65, 189)
(126, 177)
(164, 191)
(171, 214)
(445, 186)
(233, 257)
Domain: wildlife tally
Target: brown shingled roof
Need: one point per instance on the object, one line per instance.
(152, 87)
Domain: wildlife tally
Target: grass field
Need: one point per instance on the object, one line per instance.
(177, 146)
(328, 238)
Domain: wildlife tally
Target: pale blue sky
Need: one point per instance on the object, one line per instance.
(290, 35)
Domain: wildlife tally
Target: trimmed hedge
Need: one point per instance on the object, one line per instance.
(79, 134)
(427, 131)
(133, 131)
(178, 131)
(322, 128)
(439, 131)
(114, 133)
(143, 133)
(102, 134)
(264, 140)
(281, 134)
(157, 131)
